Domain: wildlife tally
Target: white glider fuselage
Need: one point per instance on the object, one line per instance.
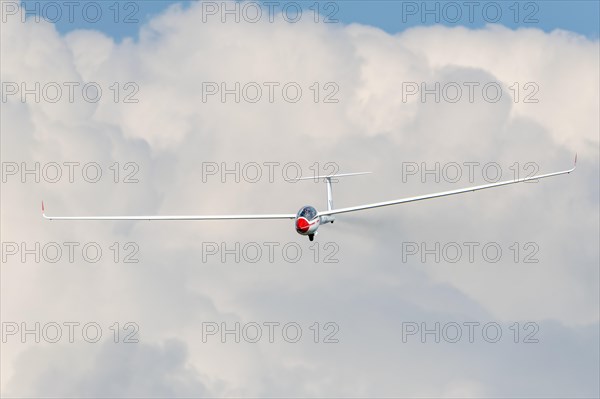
(308, 221)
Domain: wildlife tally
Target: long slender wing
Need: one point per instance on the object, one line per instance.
(182, 217)
(444, 193)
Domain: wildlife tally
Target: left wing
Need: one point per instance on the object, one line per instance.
(183, 217)
(444, 193)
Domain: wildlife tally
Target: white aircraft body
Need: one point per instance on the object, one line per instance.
(308, 219)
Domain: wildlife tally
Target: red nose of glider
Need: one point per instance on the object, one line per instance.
(302, 225)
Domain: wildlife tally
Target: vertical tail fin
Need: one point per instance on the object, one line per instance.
(328, 181)
(329, 194)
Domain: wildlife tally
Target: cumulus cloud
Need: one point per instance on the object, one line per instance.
(130, 370)
(173, 131)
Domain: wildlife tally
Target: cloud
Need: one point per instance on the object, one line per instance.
(174, 130)
(129, 370)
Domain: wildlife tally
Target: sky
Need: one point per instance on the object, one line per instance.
(487, 294)
(392, 16)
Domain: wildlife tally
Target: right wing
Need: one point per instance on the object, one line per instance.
(444, 193)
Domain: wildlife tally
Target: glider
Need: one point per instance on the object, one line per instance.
(308, 219)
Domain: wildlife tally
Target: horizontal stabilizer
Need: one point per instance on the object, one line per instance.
(329, 176)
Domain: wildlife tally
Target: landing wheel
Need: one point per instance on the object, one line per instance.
(311, 237)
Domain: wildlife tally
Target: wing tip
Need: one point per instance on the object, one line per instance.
(44, 211)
